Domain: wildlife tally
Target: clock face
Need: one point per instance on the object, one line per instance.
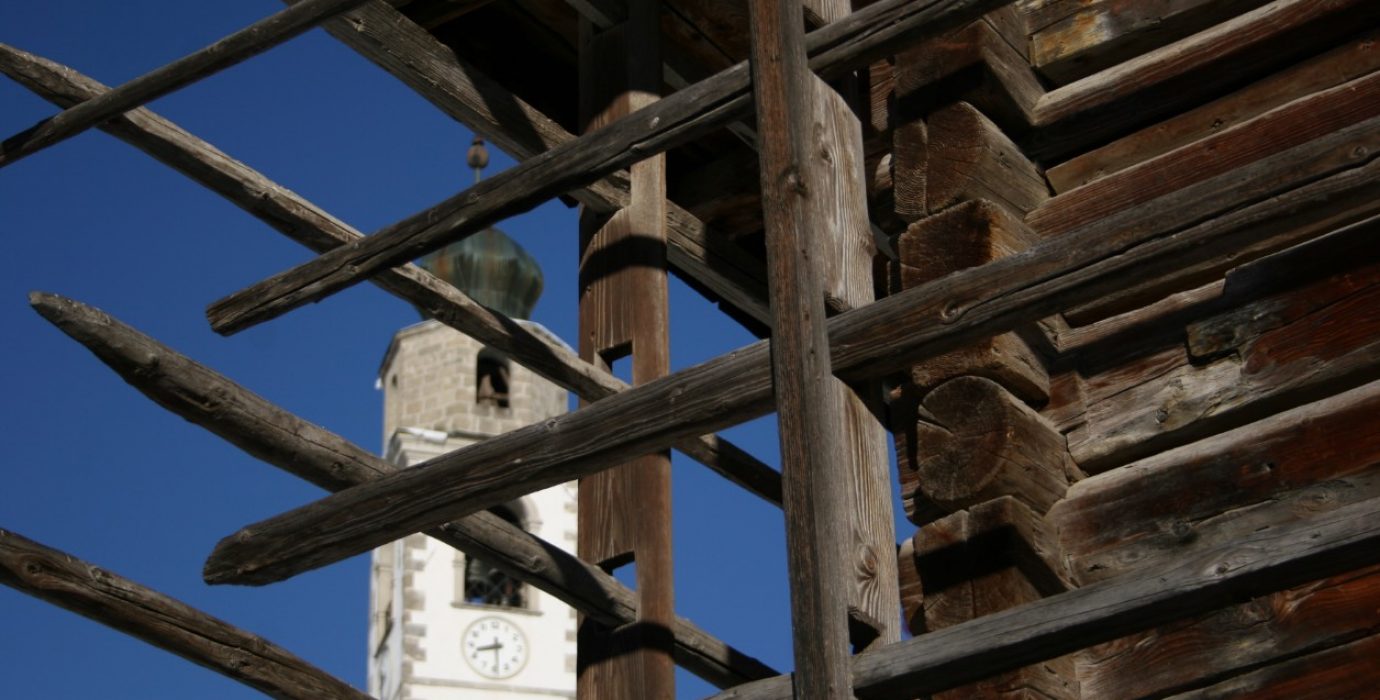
(494, 647)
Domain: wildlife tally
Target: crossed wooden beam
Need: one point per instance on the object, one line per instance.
(446, 496)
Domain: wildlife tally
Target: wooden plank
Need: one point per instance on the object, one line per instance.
(1312, 117)
(307, 224)
(992, 557)
(394, 43)
(844, 237)
(1345, 671)
(970, 158)
(1353, 59)
(624, 308)
(699, 109)
(1195, 69)
(1263, 562)
(798, 206)
(1104, 33)
(277, 437)
(962, 237)
(169, 624)
(867, 342)
(1272, 628)
(1268, 355)
(1315, 457)
(229, 51)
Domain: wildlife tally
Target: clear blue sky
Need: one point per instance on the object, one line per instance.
(94, 468)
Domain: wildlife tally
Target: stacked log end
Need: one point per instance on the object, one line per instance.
(979, 467)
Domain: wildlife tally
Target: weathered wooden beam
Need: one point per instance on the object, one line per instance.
(169, 624)
(797, 206)
(307, 224)
(1102, 34)
(1139, 243)
(237, 47)
(1312, 117)
(847, 44)
(1054, 124)
(968, 157)
(976, 442)
(845, 253)
(624, 313)
(1347, 62)
(985, 559)
(959, 238)
(1269, 560)
(276, 436)
(1195, 68)
(411, 54)
(1275, 351)
(1252, 634)
(1346, 671)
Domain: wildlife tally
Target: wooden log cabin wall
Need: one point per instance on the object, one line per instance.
(1126, 337)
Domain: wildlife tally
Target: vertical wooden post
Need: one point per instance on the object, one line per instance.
(625, 512)
(798, 204)
(847, 252)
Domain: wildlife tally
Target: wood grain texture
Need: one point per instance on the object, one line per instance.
(978, 561)
(868, 342)
(1315, 457)
(1269, 354)
(977, 65)
(625, 512)
(277, 437)
(1191, 70)
(1345, 671)
(1313, 117)
(837, 181)
(1267, 630)
(304, 222)
(975, 442)
(1353, 59)
(1104, 33)
(169, 624)
(962, 237)
(1260, 563)
(970, 158)
(798, 206)
(243, 44)
(699, 109)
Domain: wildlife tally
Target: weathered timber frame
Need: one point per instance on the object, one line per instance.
(831, 345)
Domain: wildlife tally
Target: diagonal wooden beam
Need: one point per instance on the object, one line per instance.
(414, 56)
(1213, 219)
(1271, 560)
(167, 623)
(797, 207)
(280, 438)
(699, 109)
(244, 44)
(307, 224)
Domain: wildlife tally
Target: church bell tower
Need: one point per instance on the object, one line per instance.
(442, 625)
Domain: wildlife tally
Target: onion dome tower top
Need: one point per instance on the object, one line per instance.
(489, 266)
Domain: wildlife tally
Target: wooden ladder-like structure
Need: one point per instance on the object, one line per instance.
(1129, 310)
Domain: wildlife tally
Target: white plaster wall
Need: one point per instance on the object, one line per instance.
(428, 382)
